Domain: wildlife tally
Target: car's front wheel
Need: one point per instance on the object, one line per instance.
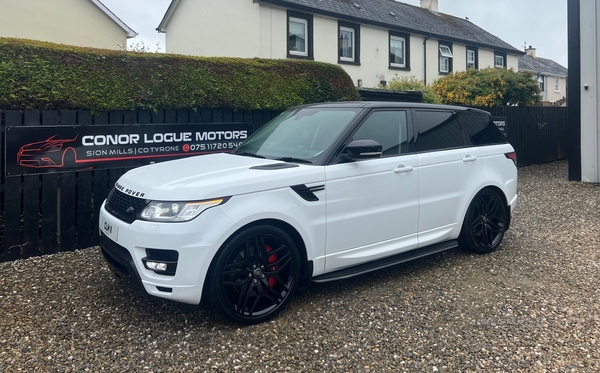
(485, 222)
(255, 275)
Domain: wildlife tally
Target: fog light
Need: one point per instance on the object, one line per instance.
(156, 266)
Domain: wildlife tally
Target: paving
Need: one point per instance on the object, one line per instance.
(531, 306)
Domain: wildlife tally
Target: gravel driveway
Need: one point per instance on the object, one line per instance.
(534, 305)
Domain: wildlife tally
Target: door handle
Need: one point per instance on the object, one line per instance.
(469, 158)
(403, 168)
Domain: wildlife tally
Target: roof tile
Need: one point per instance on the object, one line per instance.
(542, 65)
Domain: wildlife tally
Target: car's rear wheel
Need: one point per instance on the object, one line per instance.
(255, 275)
(485, 222)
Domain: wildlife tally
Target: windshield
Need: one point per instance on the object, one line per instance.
(299, 135)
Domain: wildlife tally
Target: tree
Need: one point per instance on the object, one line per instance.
(488, 87)
(411, 83)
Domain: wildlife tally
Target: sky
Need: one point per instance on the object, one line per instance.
(539, 23)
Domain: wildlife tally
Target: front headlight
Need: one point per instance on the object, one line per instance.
(161, 211)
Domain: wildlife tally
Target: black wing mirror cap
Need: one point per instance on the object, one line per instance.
(363, 149)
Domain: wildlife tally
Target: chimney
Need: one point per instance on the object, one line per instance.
(530, 51)
(430, 4)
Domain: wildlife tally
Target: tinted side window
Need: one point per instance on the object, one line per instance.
(437, 130)
(387, 128)
(480, 129)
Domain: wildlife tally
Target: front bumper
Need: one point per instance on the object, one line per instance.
(120, 261)
(196, 242)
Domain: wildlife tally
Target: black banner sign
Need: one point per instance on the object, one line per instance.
(500, 122)
(42, 149)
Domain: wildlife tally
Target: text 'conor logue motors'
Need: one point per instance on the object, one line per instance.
(322, 192)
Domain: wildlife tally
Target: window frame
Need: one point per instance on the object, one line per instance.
(307, 20)
(500, 55)
(556, 85)
(406, 38)
(475, 51)
(355, 29)
(542, 83)
(445, 56)
(445, 51)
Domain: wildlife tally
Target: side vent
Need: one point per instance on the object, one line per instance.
(308, 193)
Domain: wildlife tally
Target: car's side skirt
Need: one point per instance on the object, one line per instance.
(386, 262)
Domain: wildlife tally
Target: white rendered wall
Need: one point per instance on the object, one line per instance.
(459, 62)
(374, 58)
(325, 39)
(512, 62)
(551, 94)
(73, 22)
(211, 29)
(432, 60)
(273, 29)
(590, 102)
(255, 30)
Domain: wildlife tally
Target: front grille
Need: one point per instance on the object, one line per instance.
(162, 255)
(123, 206)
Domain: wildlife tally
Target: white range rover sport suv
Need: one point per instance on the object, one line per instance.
(320, 193)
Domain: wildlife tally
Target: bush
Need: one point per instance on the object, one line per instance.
(488, 87)
(411, 83)
(46, 76)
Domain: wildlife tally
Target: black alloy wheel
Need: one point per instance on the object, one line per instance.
(255, 275)
(485, 222)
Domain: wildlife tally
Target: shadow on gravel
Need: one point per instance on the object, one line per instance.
(138, 308)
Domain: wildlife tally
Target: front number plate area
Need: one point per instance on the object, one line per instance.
(109, 230)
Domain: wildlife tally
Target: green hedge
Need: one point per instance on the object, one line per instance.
(46, 76)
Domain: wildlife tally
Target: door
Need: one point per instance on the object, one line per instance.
(372, 205)
(449, 172)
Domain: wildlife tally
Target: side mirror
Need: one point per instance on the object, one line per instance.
(363, 149)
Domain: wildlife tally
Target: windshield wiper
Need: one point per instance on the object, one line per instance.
(249, 154)
(293, 160)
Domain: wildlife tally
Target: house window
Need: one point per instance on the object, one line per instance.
(541, 82)
(500, 60)
(299, 35)
(349, 43)
(556, 85)
(446, 56)
(472, 58)
(399, 51)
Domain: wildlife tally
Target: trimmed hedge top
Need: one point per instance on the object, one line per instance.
(45, 76)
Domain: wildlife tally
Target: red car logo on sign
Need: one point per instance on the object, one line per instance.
(51, 153)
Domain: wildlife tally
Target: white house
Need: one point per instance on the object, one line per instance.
(87, 23)
(551, 76)
(371, 39)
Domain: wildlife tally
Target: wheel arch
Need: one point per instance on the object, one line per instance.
(504, 200)
(502, 195)
(305, 265)
(65, 154)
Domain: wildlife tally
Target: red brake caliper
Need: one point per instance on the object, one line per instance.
(272, 259)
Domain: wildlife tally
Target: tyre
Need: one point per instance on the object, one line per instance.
(255, 275)
(485, 222)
